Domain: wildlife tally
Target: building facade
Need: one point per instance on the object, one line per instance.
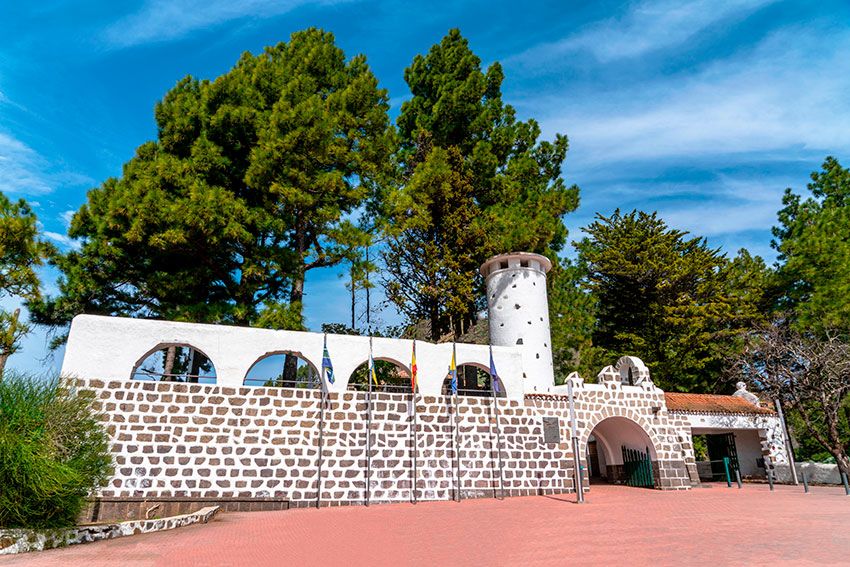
(209, 433)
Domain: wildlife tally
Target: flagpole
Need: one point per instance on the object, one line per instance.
(369, 426)
(413, 395)
(456, 425)
(493, 378)
(579, 483)
(321, 440)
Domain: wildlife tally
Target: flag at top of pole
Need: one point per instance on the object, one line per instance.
(327, 367)
(453, 371)
(413, 369)
(494, 376)
(372, 375)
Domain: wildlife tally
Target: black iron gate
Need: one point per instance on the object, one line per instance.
(637, 467)
(722, 446)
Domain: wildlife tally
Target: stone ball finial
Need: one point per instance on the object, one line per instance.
(742, 392)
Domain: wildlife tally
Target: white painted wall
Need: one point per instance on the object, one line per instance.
(746, 428)
(518, 309)
(108, 348)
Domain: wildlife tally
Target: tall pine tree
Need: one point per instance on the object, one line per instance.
(492, 187)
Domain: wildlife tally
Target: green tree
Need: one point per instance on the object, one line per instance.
(813, 266)
(669, 298)
(490, 186)
(572, 317)
(247, 188)
(21, 253)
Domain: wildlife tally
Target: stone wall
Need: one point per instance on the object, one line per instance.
(190, 441)
(208, 443)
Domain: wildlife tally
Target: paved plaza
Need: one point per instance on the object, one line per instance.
(618, 525)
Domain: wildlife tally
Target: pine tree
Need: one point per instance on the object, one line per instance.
(669, 298)
(505, 184)
(247, 188)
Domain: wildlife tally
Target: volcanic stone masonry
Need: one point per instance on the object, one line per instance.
(206, 443)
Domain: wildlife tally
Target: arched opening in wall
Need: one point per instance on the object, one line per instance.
(270, 371)
(472, 380)
(620, 451)
(175, 362)
(391, 376)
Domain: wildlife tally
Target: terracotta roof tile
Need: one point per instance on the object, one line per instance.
(711, 403)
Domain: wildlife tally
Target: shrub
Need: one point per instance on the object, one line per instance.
(53, 452)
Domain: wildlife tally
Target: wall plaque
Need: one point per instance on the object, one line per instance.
(551, 430)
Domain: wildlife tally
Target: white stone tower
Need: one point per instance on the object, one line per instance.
(518, 311)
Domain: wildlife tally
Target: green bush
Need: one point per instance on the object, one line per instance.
(53, 452)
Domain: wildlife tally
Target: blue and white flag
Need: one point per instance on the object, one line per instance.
(327, 367)
(494, 376)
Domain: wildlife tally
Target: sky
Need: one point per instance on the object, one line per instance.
(702, 110)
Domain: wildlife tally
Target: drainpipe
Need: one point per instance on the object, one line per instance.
(789, 451)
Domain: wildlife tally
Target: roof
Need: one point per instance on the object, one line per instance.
(711, 403)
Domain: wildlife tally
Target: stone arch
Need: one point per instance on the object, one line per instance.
(193, 365)
(307, 373)
(471, 383)
(614, 428)
(632, 371)
(398, 383)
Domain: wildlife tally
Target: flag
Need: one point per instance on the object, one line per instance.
(413, 369)
(327, 367)
(372, 374)
(494, 376)
(453, 371)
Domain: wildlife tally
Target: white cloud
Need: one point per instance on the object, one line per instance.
(66, 217)
(63, 240)
(21, 168)
(649, 26)
(164, 20)
(789, 93)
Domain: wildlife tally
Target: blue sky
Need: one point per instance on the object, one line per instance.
(704, 110)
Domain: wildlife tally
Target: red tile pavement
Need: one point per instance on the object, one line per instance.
(618, 525)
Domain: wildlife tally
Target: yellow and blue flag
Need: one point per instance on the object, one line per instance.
(327, 367)
(453, 371)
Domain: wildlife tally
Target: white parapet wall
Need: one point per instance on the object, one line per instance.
(109, 348)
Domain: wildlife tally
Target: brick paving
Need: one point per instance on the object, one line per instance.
(618, 525)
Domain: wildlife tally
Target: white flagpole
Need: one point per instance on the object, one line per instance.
(323, 402)
(576, 458)
(369, 425)
(493, 379)
(415, 426)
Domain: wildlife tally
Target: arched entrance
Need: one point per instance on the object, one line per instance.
(620, 451)
(270, 371)
(175, 362)
(392, 377)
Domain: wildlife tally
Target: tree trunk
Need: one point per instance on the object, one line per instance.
(290, 365)
(168, 367)
(3, 358)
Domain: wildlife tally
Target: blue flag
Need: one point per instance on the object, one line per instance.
(327, 367)
(494, 376)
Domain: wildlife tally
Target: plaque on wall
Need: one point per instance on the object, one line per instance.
(551, 430)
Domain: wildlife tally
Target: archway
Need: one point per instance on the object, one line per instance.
(269, 371)
(392, 376)
(175, 362)
(620, 451)
(473, 379)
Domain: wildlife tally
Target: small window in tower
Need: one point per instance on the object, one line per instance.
(519, 341)
(545, 345)
(534, 283)
(541, 318)
(513, 285)
(513, 275)
(501, 324)
(538, 355)
(529, 322)
(516, 305)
